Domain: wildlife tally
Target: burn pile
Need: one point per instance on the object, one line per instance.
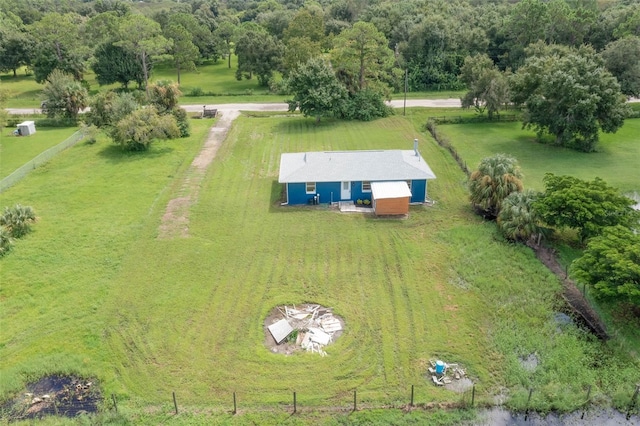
(309, 327)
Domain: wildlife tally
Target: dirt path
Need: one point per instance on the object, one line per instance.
(571, 293)
(175, 221)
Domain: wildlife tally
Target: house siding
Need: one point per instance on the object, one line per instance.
(330, 192)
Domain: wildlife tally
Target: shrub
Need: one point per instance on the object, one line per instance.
(17, 220)
(182, 119)
(195, 92)
(366, 105)
(6, 243)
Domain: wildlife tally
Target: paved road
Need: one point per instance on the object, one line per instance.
(427, 103)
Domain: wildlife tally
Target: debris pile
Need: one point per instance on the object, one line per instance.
(444, 374)
(310, 327)
(54, 395)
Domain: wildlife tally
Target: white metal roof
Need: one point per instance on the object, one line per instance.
(335, 166)
(381, 190)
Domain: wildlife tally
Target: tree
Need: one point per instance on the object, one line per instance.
(571, 96)
(225, 33)
(622, 59)
(164, 95)
(518, 220)
(138, 130)
(488, 87)
(199, 34)
(6, 242)
(15, 46)
(611, 265)
(63, 96)
(58, 45)
(143, 37)
(496, 178)
(361, 57)
(588, 206)
(115, 64)
(526, 24)
(17, 220)
(184, 52)
(107, 108)
(298, 50)
(316, 90)
(306, 23)
(258, 53)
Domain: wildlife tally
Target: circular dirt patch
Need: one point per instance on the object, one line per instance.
(307, 327)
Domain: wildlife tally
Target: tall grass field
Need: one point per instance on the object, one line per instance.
(93, 291)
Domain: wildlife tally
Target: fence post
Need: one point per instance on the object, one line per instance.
(473, 394)
(235, 407)
(526, 413)
(295, 403)
(586, 403)
(355, 407)
(411, 405)
(175, 403)
(633, 401)
(115, 405)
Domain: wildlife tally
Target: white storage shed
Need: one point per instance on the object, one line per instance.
(27, 128)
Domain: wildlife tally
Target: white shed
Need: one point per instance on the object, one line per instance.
(27, 128)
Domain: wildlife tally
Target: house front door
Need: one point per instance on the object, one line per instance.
(345, 191)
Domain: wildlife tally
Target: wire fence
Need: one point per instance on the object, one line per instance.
(39, 160)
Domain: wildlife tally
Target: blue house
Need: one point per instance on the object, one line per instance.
(332, 176)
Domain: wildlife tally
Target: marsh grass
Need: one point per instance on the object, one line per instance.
(93, 291)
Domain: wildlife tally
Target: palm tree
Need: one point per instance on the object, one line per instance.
(518, 220)
(495, 179)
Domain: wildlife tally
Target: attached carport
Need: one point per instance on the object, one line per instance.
(390, 198)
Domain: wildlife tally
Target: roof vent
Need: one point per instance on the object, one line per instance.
(415, 146)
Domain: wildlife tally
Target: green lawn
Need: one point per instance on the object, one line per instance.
(16, 151)
(93, 290)
(616, 160)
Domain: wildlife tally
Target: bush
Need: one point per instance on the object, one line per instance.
(195, 92)
(6, 242)
(17, 220)
(366, 105)
(182, 120)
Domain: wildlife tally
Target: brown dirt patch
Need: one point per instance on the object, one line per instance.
(175, 221)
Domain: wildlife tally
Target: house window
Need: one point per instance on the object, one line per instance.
(311, 187)
(366, 186)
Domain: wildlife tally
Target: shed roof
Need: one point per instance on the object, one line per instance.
(335, 166)
(381, 190)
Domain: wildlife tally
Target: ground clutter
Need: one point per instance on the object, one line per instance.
(308, 327)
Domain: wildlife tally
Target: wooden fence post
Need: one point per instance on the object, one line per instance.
(526, 413)
(473, 394)
(175, 403)
(235, 407)
(586, 402)
(633, 401)
(411, 405)
(355, 407)
(295, 403)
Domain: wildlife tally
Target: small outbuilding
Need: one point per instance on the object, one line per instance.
(390, 198)
(26, 128)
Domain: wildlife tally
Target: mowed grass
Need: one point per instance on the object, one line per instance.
(16, 151)
(616, 159)
(93, 290)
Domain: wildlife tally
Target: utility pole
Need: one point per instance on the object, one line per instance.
(406, 82)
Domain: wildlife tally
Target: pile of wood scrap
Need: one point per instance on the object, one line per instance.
(449, 373)
(316, 327)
